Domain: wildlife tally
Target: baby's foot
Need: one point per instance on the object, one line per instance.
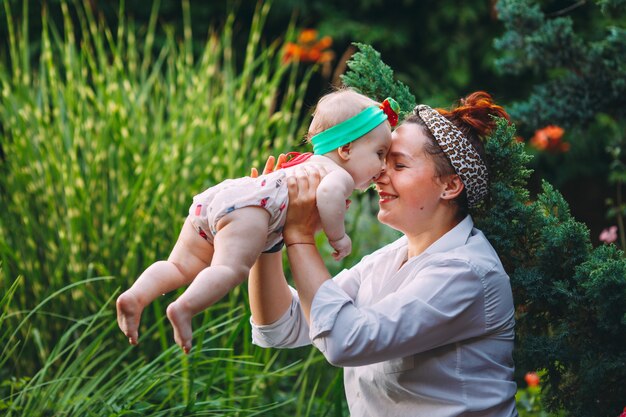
(181, 322)
(128, 315)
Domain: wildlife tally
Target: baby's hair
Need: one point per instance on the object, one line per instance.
(336, 107)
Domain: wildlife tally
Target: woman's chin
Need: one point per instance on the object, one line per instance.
(388, 218)
(383, 217)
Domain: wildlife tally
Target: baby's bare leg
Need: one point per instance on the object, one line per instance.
(239, 241)
(190, 255)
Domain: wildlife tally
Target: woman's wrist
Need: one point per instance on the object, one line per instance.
(299, 243)
(298, 239)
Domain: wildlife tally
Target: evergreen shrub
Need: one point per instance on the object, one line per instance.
(570, 298)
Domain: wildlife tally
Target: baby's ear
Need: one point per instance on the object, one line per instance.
(345, 151)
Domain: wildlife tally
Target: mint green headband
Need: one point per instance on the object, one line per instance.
(355, 127)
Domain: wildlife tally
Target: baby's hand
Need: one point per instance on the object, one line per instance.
(271, 165)
(342, 246)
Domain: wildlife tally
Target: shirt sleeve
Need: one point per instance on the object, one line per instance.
(292, 330)
(441, 304)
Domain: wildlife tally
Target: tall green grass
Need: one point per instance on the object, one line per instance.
(105, 136)
(87, 372)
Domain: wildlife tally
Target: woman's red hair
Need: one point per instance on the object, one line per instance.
(474, 114)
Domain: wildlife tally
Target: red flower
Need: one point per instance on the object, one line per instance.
(549, 139)
(532, 379)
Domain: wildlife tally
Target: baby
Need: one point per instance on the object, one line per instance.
(230, 224)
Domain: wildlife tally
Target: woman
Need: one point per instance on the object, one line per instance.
(424, 326)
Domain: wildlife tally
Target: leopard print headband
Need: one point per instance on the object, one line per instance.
(466, 162)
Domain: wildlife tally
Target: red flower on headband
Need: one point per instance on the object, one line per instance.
(391, 109)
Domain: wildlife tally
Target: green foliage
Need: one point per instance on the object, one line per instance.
(103, 143)
(530, 404)
(369, 74)
(499, 219)
(87, 374)
(570, 298)
(572, 317)
(584, 74)
(567, 294)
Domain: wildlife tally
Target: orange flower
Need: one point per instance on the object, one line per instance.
(324, 43)
(326, 56)
(550, 138)
(292, 51)
(312, 55)
(532, 379)
(307, 36)
(309, 49)
(539, 141)
(554, 131)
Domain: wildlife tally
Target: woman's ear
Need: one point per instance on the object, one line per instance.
(345, 151)
(452, 187)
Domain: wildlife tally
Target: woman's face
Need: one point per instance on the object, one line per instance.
(409, 188)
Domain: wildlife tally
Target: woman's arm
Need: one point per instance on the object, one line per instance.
(269, 294)
(307, 267)
(443, 306)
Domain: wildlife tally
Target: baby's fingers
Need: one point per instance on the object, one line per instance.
(282, 158)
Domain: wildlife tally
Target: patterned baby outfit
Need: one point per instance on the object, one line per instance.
(267, 191)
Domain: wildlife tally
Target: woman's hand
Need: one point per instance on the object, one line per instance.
(303, 219)
(271, 165)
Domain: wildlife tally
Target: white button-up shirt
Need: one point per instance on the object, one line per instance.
(428, 336)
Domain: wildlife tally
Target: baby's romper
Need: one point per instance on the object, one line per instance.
(267, 191)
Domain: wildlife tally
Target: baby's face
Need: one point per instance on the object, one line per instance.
(368, 156)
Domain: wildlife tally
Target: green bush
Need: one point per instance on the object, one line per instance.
(570, 298)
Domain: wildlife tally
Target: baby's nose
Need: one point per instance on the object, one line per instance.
(381, 172)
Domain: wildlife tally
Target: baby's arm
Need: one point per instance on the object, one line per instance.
(332, 193)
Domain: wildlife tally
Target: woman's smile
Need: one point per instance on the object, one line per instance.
(385, 197)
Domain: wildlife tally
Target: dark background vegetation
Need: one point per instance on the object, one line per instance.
(441, 49)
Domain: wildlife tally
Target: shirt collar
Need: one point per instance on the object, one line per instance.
(455, 237)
